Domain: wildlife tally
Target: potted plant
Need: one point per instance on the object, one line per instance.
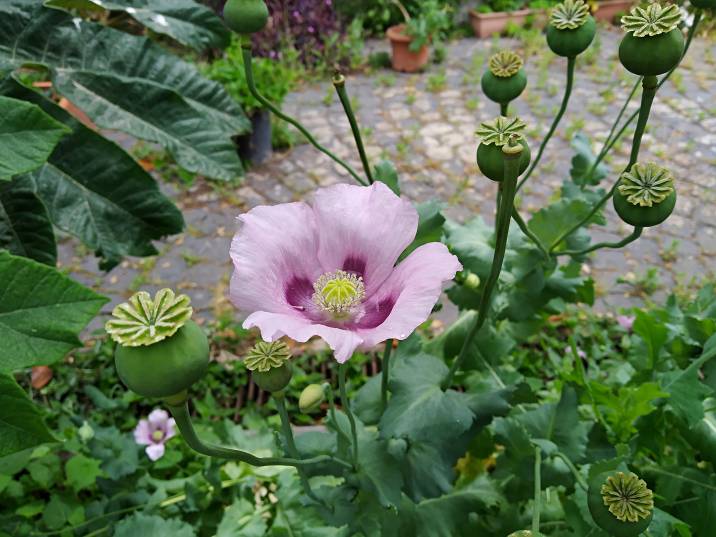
(607, 10)
(275, 79)
(409, 40)
(493, 16)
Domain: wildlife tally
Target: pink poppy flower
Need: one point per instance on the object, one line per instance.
(154, 432)
(329, 270)
(626, 321)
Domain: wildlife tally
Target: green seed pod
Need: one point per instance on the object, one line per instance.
(620, 503)
(165, 368)
(495, 134)
(571, 29)
(397, 447)
(311, 398)
(645, 195)
(653, 44)
(505, 79)
(275, 379)
(246, 16)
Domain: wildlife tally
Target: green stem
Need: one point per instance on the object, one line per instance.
(339, 82)
(619, 244)
(571, 62)
(657, 470)
(385, 374)
(528, 232)
(650, 86)
(538, 492)
(287, 431)
(246, 52)
(504, 109)
(572, 468)
(508, 186)
(183, 421)
(347, 409)
(585, 381)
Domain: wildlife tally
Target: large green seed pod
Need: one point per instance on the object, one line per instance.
(505, 78)
(273, 380)
(495, 134)
(268, 362)
(571, 42)
(653, 44)
(246, 16)
(165, 368)
(645, 195)
(620, 503)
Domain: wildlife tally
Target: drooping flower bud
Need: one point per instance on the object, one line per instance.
(268, 362)
(161, 352)
(311, 398)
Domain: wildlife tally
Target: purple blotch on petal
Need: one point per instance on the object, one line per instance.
(298, 292)
(375, 314)
(354, 264)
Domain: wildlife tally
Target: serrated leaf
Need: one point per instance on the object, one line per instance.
(25, 227)
(385, 171)
(653, 332)
(117, 451)
(33, 34)
(27, 137)
(82, 472)
(550, 222)
(186, 21)
(379, 471)
(430, 226)
(419, 409)
(621, 409)
(41, 313)
(241, 519)
(21, 425)
(96, 191)
(156, 526)
(583, 160)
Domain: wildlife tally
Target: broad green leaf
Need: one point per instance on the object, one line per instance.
(156, 526)
(385, 172)
(103, 63)
(117, 451)
(583, 160)
(82, 472)
(241, 519)
(186, 21)
(379, 471)
(21, 425)
(623, 407)
(367, 403)
(41, 313)
(430, 226)
(550, 222)
(63, 509)
(25, 227)
(27, 137)
(418, 408)
(96, 191)
(653, 332)
(702, 435)
(428, 470)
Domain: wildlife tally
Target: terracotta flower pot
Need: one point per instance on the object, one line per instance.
(486, 24)
(403, 58)
(608, 9)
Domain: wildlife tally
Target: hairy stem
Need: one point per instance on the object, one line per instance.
(339, 82)
(183, 421)
(248, 70)
(537, 507)
(347, 409)
(280, 400)
(502, 230)
(571, 62)
(634, 235)
(650, 86)
(385, 374)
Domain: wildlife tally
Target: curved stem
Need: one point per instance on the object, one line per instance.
(502, 230)
(650, 86)
(626, 240)
(246, 53)
(577, 476)
(347, 410)
(504, 109)
(339, 82)
(385, 373)
(183, 421)
(528, 232)
(280, 400)
(537, 507)
(571, 62)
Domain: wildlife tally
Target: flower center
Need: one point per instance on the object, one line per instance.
(338, 293)
(157, 435)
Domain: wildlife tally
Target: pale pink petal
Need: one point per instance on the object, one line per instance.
(274, 255)
(275, 325)
(143, 433)
(155, 451)
(170, 429)
(414, 287)
(158, 419)
(363, 229)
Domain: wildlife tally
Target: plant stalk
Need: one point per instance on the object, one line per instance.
(246, 54)
(504, 109)
(339, 82)
(537, 507)
(528, 232)
(347, 409)
(287, 431)
(385, 374)
(571, 62)
(619, 244)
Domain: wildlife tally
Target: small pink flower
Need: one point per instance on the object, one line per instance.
(328, 270)
(626, 321)
(154, 432)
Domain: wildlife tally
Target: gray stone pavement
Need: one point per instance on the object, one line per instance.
(425, 124)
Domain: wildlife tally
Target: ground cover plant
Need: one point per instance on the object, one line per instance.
(529, 415)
